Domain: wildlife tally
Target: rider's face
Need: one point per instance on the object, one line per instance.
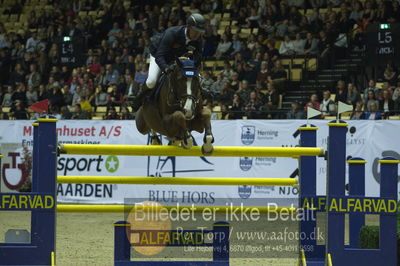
(193, 34)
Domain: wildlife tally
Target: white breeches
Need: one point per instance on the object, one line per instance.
(154, 73)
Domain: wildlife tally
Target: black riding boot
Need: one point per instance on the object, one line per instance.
(141, 95)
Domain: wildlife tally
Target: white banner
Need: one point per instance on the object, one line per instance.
(367, 139)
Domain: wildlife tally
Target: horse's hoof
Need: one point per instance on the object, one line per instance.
(187, 143)
(207, 148)
(174, 143)
(155, 140)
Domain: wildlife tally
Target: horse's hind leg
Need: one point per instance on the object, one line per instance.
(141, 124)
(155, 140)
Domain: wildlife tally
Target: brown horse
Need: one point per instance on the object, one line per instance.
(178, 110)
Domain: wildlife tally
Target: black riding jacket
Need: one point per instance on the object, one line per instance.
(171, 44)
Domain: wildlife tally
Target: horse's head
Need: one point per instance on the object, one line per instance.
(186, 87)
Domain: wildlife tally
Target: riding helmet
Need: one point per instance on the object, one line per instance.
(197, 22)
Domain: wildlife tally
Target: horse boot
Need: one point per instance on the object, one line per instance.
(141, 95)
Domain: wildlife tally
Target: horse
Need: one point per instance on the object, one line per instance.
(177, 109)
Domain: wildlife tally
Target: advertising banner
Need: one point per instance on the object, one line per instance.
(370, 140)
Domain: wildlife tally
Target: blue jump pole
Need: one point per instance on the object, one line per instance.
(388, 221)
(308, 190)
(43, 218)
(356, 204)
(356, 189)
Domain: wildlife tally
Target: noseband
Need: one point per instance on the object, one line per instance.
(179, 102)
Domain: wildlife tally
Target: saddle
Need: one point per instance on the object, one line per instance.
(155, 94)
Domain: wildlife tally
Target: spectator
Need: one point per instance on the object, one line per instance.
(101, 96)
(251, 42)
(262, 76)
(249, 73)
(252, 106)
(32, 43)
(328, 106)
(132, 87)
(111, 76)
(56, 98)
(55, 111)
(31, 96)
(226, 95)
(282, 28)
(17, 76)
(356, 13)
(325, 48)
(254, 20)
(295, 111)
(223, 47)
(278, 76)
(313, 103)
(94, 67)
(114, 33)
(115, 98)
(52, 83)
(373, 113)
(272, 51)
(67, 95)
(228, 72)
(214, 22)
(311, 45)
(43, 93)
(142, 74)
(358, 113)
(371, 86)
(371, 99)
(19, 95)
(7, 97)
(77, 112)
(237, 107)
(396, 97)
(341, 92)
(298, 44)
(353, 96)
(85, 104)
(3, 116)
(386, 105)
(111, 113)
(74, 84)
(236, 45)
(390, 75)
(77, 95)
(206, 82)
(218, 85)
(272, 101)
(34, 77)
(19, 112)
(65, 113)
(243, 90)
(287, 46)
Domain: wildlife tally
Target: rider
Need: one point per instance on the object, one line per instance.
(173, 43)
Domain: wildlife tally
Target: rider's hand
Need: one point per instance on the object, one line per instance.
(169, 69)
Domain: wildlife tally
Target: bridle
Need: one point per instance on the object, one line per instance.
(179, 102)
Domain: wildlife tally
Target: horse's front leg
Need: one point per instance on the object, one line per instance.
(208, 139)
(179, 129)
(155, 140)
